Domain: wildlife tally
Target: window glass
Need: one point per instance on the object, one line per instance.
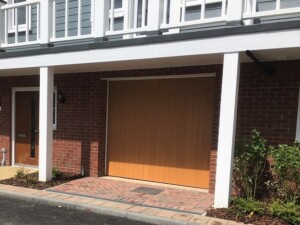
(21, 13)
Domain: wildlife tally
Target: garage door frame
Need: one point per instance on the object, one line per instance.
(140, 78)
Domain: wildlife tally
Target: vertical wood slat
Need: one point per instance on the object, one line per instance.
(27, 23)
(6, 26)
(183, 10)
(79, 17)
(38, 26)
(203, 4)
(54, 18)
(66, 18)
(16, 26)
(278, 4)
(112, 15)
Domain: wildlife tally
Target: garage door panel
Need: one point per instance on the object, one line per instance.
(160, 130)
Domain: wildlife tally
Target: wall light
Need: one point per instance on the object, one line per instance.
(61, 98)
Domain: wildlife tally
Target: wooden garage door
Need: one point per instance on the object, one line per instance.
(160, 130)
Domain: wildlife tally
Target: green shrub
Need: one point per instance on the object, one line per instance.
(20, 173)
(286, 173)
(287, 211)
(249, 164)
(55, 172)
(29, 180)
(248, 206)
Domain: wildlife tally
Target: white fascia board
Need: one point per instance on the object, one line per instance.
(218, 45)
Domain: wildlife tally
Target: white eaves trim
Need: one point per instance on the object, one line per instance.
(217, 45)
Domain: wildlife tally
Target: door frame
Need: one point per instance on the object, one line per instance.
(180, 76)
(13, 127)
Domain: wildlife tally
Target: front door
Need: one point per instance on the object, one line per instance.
(26, 128)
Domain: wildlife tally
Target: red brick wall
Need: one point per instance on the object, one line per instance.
(268, 103)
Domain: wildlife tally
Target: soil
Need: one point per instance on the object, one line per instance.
(230, 214)
(31, 181)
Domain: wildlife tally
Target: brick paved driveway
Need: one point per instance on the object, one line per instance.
(157, 196)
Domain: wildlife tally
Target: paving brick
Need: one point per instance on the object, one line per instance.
(96, 202)
(122, 191)
(199, 220)
(166, 213)
(214, 221)
(137, 209)
(182, 216)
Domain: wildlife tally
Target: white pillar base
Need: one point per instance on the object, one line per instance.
(226, 139)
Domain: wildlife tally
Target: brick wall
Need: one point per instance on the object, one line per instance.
(268, 103)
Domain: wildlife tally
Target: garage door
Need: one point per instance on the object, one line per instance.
(160, 130)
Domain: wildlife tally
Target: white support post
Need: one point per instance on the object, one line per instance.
(155, 13)
(235, 10)
(226, 139)
(2, 25)
(100, 19)
(45, 123)
(45, 21)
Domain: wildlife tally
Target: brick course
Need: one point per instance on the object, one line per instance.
(268, 103)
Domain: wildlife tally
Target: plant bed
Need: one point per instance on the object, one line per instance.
(230, 214)
(31, 180)
(262, 212)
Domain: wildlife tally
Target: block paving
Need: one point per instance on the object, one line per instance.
(142, 213)
(170, 198)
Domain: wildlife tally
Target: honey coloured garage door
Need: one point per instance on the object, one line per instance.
(160, 130)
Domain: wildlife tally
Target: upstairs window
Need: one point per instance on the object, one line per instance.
(21, 16)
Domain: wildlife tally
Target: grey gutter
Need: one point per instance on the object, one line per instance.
(220, 32)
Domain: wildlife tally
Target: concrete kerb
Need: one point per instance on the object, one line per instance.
(95, 209)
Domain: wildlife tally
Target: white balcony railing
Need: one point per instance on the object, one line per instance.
(18, 27)
(261, 9)
(43, 21)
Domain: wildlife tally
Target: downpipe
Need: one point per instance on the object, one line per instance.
(3, 163)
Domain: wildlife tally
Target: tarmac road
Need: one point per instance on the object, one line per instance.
(20, 212)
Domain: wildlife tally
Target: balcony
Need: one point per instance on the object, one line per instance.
(35, 22)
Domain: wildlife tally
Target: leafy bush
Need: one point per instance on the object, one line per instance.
(55, 172)
(249, 164)
(20, 173)
(29, 180)
(287, 211)
(248, 206)
(286, 173)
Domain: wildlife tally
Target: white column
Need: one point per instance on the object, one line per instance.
(46, 128)
(226, 139)
(235, 10)
(2, 20)
(45, 21)
(155, 12)
(100, 18)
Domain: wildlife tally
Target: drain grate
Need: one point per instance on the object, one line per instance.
(148, 191)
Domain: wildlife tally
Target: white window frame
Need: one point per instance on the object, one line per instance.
(298, 120)
(54, 110)
(11, 19)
